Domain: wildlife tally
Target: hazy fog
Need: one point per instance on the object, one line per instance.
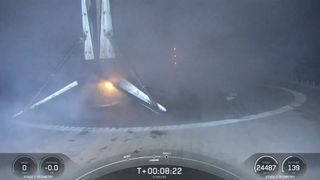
(221, 45)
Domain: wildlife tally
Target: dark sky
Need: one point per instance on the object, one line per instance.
(217, 39)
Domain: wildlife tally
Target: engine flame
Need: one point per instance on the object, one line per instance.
(107, 87)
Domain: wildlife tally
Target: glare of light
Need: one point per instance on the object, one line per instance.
(107, 87)
(175, 63)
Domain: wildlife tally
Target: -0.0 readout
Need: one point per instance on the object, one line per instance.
(52, 166)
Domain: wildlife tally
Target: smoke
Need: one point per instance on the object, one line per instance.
(222, 46)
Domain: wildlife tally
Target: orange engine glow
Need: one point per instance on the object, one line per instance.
(109, 85)
(106, 87)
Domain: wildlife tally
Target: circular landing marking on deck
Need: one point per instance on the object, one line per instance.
(299, 99)
(91, 174)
